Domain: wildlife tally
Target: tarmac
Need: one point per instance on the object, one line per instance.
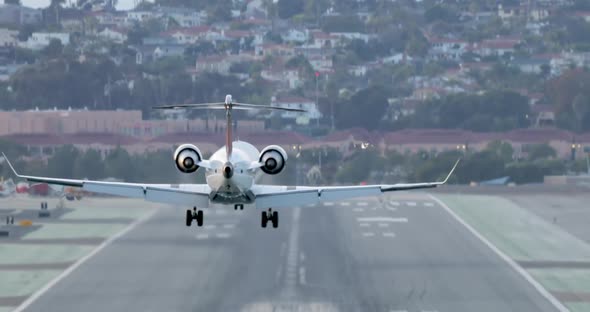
(452, 250)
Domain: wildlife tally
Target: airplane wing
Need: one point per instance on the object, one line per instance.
(177, 194)
(285, 196)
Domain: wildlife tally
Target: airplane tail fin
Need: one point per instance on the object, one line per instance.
(228, 107)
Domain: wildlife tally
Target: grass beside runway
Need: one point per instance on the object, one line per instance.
(34, 254)
(19, 280)
(54, 230)
(22, 283)
(522, 235)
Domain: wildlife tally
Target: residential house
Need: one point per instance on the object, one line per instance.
(185, 17)
(19, 15)
(585, 15)
(320, 63)
(216, 64)
(295, 35)
(117, 35)
(530, 65)
(188, 35)
(311, 108)
(40, 40)
(353, 35)
(138, 16)
(447, 48)
(274, 50)
(325, 40)
(285, 78)
(8, 38)
(498, 46)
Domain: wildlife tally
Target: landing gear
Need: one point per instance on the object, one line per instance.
(272, 216)
(194, 215)
(239, 206)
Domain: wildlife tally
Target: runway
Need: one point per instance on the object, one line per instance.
(400, 253)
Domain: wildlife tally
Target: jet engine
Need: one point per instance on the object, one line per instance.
(273, 159)
(186, 157)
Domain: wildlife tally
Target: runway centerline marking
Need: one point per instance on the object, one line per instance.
(358, 209)
(391, 208)
(223, 235)
(209, 226)
(412, 204)
(345, 204)
(428, 204)
(25, 304)
(229, 226)
(546, 294)
(368, 234)
(362, 204)
(383, 224)
(364, 224)
(382, 219)
(388, 234)
(328, 204)
(394, 203)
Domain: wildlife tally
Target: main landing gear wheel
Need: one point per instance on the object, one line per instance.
(272, 216)
(194, 215)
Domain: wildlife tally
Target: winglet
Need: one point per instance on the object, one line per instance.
(10, 165)
(451, 173)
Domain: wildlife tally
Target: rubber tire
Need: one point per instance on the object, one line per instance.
(200, 218)
(275, 219)
(189, 217)
(263, 219)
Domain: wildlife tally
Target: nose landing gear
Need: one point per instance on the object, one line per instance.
(272, 216)
(194, 215)
(239, 206)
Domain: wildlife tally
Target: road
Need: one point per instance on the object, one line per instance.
(403, 253)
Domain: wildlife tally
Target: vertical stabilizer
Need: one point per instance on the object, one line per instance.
(228, 128)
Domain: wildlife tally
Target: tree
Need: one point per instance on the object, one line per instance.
(90, 165)
(502, 149)
(289, 8)
(365, 109)
(54, 49)
(541, 151)
(440, 13)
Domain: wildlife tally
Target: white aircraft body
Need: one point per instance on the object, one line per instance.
(230, 176)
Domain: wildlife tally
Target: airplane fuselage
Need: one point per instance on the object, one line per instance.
(234, 189)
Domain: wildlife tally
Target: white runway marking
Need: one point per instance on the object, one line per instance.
(368, 234)
(229, 226)
(301, 257)
(394, 203)
(328, 204)
(389, 234)
(391, 208)
(202, 236)
(382, 219)
(558, 305)
(358, 209)
(25, 304)
(345, 204)
(412, 204)
(364, 224)
(223, 235)
(362, 204)
(209, 226)
(383, 224)
(428, 204)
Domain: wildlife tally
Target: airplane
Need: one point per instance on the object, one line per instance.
(230, 173)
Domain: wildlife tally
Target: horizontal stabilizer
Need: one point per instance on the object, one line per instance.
(221, 105)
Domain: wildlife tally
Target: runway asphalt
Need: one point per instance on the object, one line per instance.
(403, 253)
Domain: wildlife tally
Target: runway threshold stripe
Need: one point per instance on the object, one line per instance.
(80, 261)
(546, 294)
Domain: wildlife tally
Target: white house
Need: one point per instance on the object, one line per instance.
(183, 16)
(216, 64)
(295, 35)
(287, 78)
(8, 37)
(312, 111)
(140, 16)
(114, 34)
(39, 40)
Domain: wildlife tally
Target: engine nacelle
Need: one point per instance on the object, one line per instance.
(186, 158)
(273, 159)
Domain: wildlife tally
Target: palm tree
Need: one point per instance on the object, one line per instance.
(56, 5)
